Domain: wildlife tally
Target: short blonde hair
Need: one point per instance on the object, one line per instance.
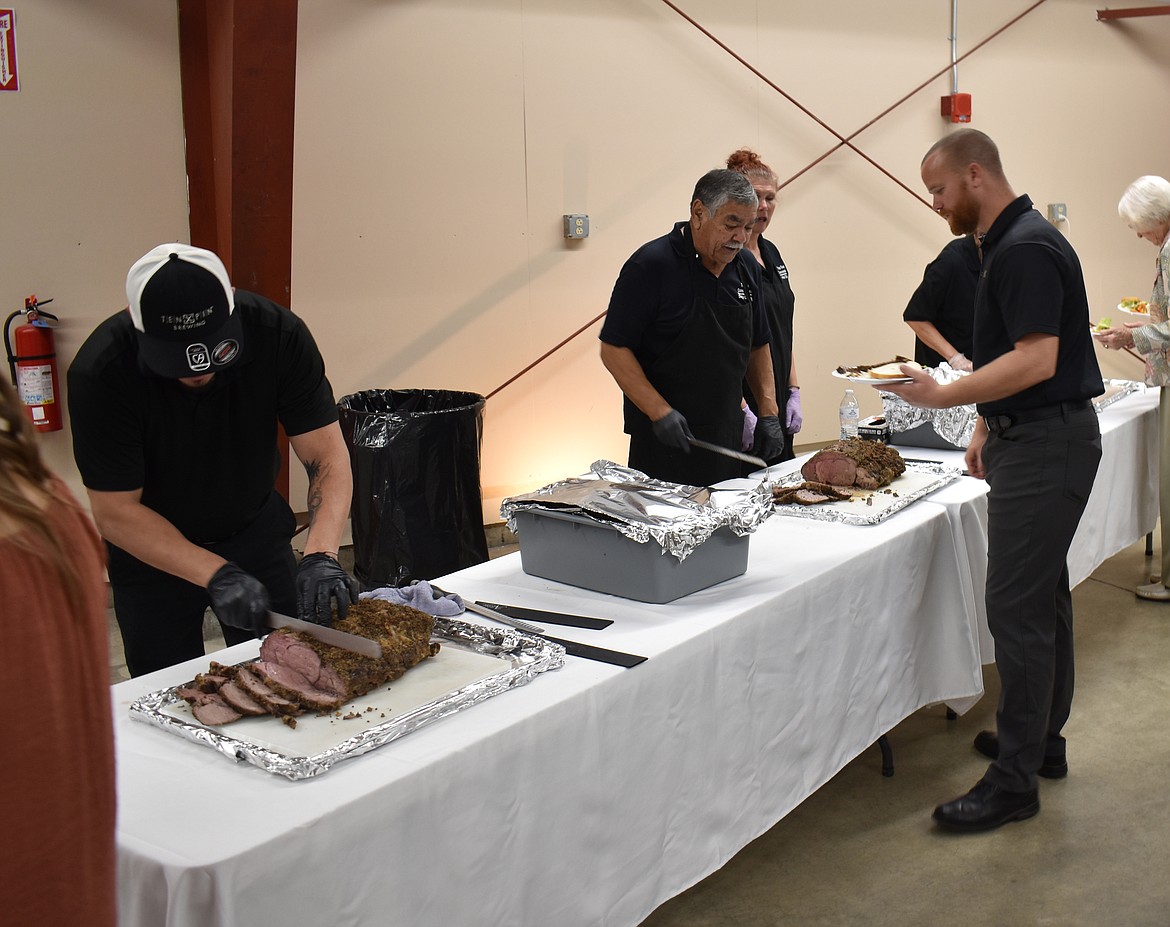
(1145, 204)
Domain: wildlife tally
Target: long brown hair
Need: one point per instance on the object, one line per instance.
(22, 470)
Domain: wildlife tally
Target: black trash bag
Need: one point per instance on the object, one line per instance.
(417, 508)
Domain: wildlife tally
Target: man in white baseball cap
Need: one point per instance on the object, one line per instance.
(183, 308)
(174, 404)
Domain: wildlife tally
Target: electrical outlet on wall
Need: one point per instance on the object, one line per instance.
(1057, 212)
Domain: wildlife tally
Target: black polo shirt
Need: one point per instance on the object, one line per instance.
(1031, 283)
(657, 287)
(206, 460)
(946, 299)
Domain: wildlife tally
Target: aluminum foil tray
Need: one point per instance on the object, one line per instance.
(870, 506)
(679, 518)
(473, 663)
(1115, 390)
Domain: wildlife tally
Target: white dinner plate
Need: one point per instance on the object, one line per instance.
(1140, 315)
(872, 381)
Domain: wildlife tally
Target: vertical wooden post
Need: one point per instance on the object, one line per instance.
(238, 68)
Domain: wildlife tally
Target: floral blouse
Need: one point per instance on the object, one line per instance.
(1153, 341)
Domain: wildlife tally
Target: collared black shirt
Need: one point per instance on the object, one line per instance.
(658, 285)
(1031, 283)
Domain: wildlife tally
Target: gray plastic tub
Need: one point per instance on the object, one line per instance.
(576, 550)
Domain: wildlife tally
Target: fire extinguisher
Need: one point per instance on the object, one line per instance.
(32, 364)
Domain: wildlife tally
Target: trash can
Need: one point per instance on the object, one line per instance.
(417, 507)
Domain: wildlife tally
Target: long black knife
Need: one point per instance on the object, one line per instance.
(600, 654)
(543, 617)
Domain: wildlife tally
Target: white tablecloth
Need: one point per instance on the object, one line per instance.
(594, 793)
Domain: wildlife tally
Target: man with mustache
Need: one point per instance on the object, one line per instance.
(1037, 443)
(684, 328)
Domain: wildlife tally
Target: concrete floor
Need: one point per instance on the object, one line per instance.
(863, 850)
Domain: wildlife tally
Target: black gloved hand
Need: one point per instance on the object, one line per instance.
(672, 430)
(320, 578)
(769, 438)
(239, 599)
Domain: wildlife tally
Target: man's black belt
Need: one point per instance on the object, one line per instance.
(1004, 420)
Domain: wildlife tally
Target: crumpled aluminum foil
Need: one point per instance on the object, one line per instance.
(1115, 390)
(956, 424)
(677, 517)
(522, 657)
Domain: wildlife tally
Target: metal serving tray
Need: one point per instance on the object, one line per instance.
(870, 506)
(473, 663)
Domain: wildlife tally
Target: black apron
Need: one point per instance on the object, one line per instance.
(778, 302)
(701, 376)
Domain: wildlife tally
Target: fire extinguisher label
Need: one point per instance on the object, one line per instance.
(35, 384)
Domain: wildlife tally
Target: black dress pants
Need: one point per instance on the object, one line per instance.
(1040, 475)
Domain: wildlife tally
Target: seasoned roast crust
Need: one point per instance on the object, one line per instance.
(855, 462)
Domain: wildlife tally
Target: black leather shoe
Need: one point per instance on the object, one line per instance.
(1053, 767)
(987, 806)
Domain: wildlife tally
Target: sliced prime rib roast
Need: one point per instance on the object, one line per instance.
(854, 462)
(298, 673)
(208, 707)
(807, 493)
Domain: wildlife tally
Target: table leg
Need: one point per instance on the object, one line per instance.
(887, 756)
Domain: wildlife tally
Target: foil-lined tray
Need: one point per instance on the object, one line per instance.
(871, 506)
(954, 424)
(678, 517)
(1115, 390)
(473, 664)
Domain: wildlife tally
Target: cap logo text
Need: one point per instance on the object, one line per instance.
(198, 357)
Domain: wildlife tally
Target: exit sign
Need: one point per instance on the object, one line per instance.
(8, 77)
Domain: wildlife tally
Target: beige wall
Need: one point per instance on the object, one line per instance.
(439, 143)
(91, 164)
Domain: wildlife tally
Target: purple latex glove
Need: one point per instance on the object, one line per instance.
(749, 429)
(793, 418)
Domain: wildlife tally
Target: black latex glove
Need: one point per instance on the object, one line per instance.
(319, 579)
(672, 430)
(239, 599)
(769, 438)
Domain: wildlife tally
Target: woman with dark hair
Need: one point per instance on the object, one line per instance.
(778, 300)
(57, 861)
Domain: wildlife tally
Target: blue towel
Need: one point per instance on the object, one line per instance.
(420, 595)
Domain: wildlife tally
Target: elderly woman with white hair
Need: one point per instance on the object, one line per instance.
(1145, 207)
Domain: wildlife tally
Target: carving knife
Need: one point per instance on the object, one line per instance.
(727, 452)
(472, 606)
(326, 635)
(537, 614)
(517, 623)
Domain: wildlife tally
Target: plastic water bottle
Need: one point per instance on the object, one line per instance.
(850, 413)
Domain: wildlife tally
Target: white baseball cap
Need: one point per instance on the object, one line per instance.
(181, 302)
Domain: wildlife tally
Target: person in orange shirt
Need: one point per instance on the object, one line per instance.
(57, 861)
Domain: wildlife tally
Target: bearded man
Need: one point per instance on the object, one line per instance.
(1037, 443)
